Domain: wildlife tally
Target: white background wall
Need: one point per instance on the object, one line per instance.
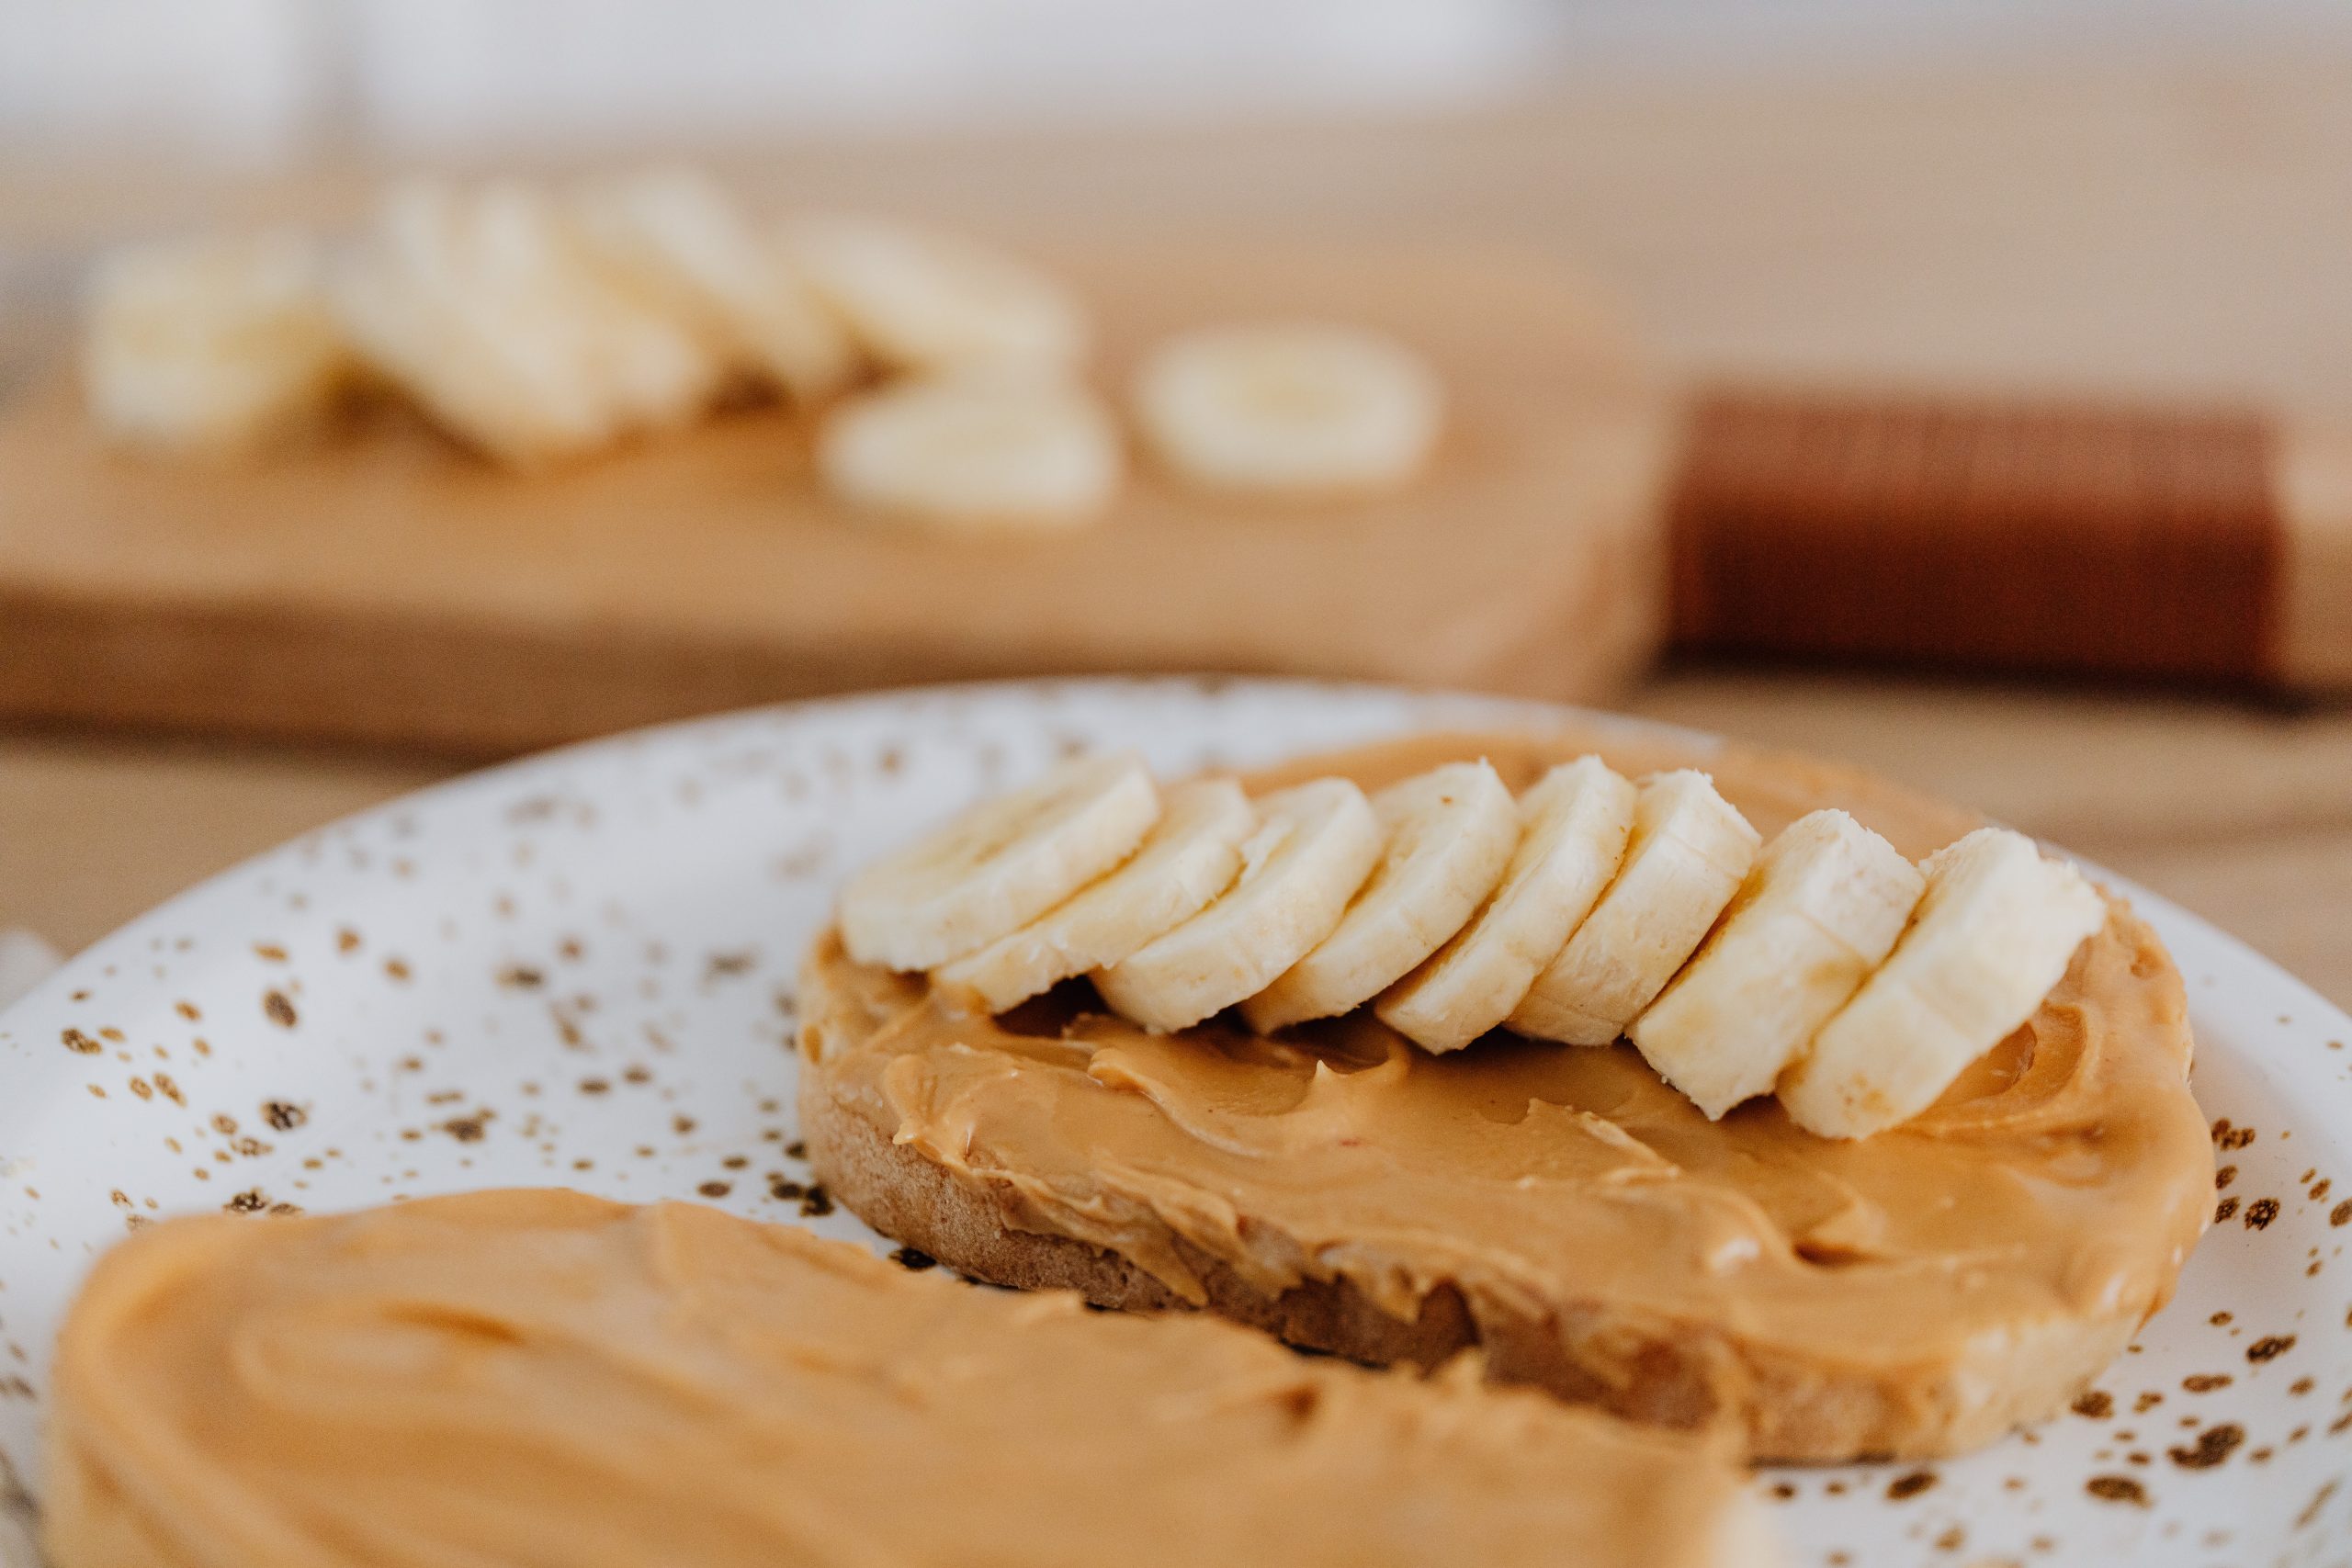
(263, 80)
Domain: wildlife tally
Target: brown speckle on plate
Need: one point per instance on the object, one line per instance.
(470, 1129)
(2213, 1447)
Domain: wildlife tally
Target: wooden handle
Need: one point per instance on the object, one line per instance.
(2206, 546)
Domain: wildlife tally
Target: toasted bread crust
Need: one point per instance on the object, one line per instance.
(1775, 1405)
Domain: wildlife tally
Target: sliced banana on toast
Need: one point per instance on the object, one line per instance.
(676, 236)
(1315, 845)
(1690, 850)
(999, 866)
(1994, 931)
(923, 301)
(1575, 823)
(1192, 855)
(1825, 968)
(1820, 910)
(1289, 409)
(1448, 834)
(979, 451)
(213, 344)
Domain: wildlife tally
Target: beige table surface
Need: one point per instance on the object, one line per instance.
(2165, 226)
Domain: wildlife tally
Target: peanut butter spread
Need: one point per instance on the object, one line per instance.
(1915, 1292)
(545, 1377)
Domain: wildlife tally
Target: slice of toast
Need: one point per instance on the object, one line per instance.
(1561, 1209)
(545, 1377)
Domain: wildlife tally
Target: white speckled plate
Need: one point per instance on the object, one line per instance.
(578, 969)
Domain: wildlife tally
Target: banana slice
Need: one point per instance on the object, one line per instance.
(999, 866)
(1819, 912)
(678, 237)
(1994, 931)
(925, 301)
(1576, 818)
(403, 297)
(1289, 409)
(1314, 846)
(212, 343)
(481, 306)
(515, 269)
(1448, 834)
(975, 452)
(1193, 855)
(1688, 852)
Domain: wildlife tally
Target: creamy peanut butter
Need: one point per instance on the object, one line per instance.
(1915, 1291)
(543, 1378)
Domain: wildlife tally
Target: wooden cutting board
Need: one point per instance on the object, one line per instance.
(381, 585)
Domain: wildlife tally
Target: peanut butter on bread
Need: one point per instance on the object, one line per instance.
(1914, 1293)
(543, 1378)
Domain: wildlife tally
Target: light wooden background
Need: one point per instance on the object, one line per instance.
(2169, 227)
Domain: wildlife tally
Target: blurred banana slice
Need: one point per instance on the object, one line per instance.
(679, 238)
(1449, 833)
(999, 866)
(1294, 409)
(980, 451)
(481, 305)
(1314, 846)
(1690, 850)
(1821, 911)
(1575, 821)
(1994, 931)
(213, 344)
(1193, 855)
(920, 300)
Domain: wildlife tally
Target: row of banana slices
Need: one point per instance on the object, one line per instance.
(536, 325)
(1822, 967)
